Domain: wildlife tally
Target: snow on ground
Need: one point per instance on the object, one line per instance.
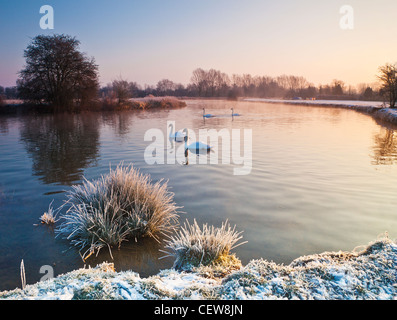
(344, 103)
(368, 275)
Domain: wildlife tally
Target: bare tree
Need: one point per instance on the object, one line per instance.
(199, 80)
(293, 83)
(283, 81)
(56, 72)
(165, 87)
(121, 89)
(338, 87)
(223, 83)
(134, 89)
(388, 79)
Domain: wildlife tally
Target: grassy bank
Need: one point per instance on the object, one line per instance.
(148, 103)
(143, 103)
(369, 274)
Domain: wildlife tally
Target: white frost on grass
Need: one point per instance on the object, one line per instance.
(368, 275)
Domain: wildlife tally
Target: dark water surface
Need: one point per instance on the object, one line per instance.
(322, 179)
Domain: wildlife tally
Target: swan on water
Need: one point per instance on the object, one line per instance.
(195, 146)
(178, 136)
(207, 115)
(234, 114)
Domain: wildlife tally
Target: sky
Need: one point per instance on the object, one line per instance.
(150, 40)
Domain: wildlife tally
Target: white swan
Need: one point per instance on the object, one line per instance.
(195, 146)
(234, 114)
(207, 115)
(178, 136)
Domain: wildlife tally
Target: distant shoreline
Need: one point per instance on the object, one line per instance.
(376, 109)
(15, 107)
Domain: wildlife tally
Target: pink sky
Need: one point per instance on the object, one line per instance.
(146, 41)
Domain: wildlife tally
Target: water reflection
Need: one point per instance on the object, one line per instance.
(197, 153)
(143, 257)
(385, 148)
(2, 195)
(120, 122)
(61, 146)
(3, 125)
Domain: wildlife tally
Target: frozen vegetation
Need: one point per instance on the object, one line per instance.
(193, 246)
(119, 206)
(368, 274)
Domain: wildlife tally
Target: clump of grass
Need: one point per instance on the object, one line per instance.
(49, 217)
(193, 246)
(220, 268)
(119, 206)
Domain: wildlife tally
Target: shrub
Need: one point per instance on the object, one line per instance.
(164, 103)
(121, 205)
(195, 247)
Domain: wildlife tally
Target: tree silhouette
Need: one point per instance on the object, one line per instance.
(388, 78)
(57, 73)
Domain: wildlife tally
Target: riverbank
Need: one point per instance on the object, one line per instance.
(376, 109)
(370, 274)
(10, 107)
(143, 104)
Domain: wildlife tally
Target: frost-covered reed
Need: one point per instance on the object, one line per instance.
(23, 275)
(49, 217)
(193, 246)
(119, 206)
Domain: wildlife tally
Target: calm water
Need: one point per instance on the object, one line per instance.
(322, 179)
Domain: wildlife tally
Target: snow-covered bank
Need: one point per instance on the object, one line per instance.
(374, 108)
(369, 274)
(342, 103)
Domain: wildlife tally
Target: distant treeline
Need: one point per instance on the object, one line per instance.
(58, 77)
(9, 93)
(216, 84)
